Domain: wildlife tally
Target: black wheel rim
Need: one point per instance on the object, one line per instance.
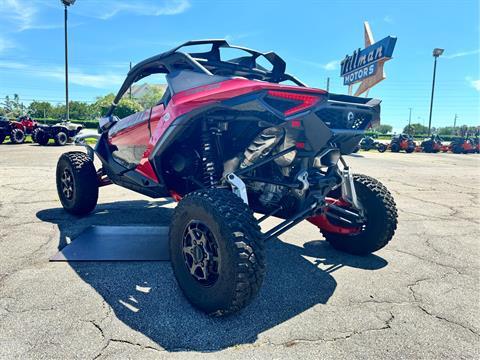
(62, 138)
(200, 253)
(67, 184)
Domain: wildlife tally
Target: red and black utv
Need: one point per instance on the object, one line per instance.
(369, 143)
(462, 145)
(432, 144)
(14, 129)
(402, 142)
(228, 139)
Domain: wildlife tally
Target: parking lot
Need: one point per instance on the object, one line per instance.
(416, 298)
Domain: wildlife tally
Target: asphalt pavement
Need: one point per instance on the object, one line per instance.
(418, 298)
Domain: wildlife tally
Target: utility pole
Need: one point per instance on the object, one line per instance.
(66, 4)
(328, 84)
(436, 53)
(130, 90)
(455, 122)
(410, 122)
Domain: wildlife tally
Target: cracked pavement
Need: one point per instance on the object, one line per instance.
(416, 298)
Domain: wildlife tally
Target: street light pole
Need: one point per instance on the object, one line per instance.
(66, 67)
(410, 121)
(436, 53)
(66, 4)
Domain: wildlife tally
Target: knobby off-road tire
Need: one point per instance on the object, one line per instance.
(410, 150)
(77, 183)
(381, 214)
(382, 148)
(239, 248)
(34, 135)
(60, 138)
(41, 137)
(2, 138)
(457, 149)
(395, 148)
(17, 136)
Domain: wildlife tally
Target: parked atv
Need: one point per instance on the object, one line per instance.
(432, 145)
(226, 140)
(368, 143)
(462, 145)
(14, 129)
(402, 142)
(476, 144)
(61, 133)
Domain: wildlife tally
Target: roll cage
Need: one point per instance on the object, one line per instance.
(208, 63)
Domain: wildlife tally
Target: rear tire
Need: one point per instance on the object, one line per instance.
(17, 136)
(41, 137)
(77, 183)
(381, 148)
(395, 148)
(381, 213)
(34, 135)
(457, 149)
(60, 138)
(233, 262)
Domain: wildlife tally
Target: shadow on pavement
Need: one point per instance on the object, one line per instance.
(145, 296)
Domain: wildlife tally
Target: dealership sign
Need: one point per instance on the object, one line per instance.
(364, 63)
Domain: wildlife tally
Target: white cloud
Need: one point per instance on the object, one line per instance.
(462, 53)
(20, 15)
(11, 65)
(388, 19)
(107, 9)
(76, 76)
(331, 65)
(6, 44)
(473, 83)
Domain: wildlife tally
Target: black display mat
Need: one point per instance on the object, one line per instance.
(117, 243)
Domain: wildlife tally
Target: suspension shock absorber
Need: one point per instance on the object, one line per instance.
(208, 157)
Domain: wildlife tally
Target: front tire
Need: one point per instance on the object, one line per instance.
(381, 213)
(77, 183)
(216, 251)
(17, 136)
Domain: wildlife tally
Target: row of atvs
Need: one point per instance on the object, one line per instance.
(61, 133)
(433, 144)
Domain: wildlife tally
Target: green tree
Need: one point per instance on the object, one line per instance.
(415, 129)
(124, 108)
(384, 128)
(80, 110)
(14, 108)
(151, 97)
(40, 109)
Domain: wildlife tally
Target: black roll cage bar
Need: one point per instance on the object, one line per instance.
(207, 63)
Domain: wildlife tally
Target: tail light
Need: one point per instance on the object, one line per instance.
(290, 103)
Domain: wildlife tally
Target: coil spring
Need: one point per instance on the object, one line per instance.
(208, 158)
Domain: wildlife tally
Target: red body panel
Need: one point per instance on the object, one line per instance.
(184, 102)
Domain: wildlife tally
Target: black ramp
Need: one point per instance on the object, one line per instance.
(118, 243)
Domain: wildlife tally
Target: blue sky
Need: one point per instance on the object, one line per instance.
(312, 36)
